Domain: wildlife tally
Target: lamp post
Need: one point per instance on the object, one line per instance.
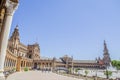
(96, 75)
(72, 66)
(107, 74)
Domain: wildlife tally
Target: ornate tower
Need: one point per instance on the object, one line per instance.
(15, 34)
(14, 41)
(106, 55)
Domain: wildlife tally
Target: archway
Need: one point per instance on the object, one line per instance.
(35, 65)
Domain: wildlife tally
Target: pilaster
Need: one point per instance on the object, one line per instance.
(19, 64)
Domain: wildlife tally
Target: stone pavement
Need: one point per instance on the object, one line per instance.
(38, 75)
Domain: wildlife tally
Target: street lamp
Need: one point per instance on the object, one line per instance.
(107, 76)
(96, 74)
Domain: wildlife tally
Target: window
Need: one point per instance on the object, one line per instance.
(30, 56)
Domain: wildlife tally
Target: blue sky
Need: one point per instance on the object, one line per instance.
(73, 27)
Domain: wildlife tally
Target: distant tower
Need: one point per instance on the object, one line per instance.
(34, 51)
(106, 55)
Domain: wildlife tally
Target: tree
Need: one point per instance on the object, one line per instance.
(108, 74)
(116, 64)
(86, 73)
(76, 70)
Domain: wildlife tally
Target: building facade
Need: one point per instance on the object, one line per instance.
(20, 56)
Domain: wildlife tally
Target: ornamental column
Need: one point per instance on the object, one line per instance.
(10, 9)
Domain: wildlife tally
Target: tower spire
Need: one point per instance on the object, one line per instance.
(105, 48)
(16, 26)
(15, 34)
(106, 55)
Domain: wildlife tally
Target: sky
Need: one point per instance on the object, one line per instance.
(76, 28)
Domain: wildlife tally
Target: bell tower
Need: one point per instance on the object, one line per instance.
(14, 41)
(15, 34)
(106, 55)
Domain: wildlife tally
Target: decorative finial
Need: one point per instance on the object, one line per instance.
(105, 45)
(104, 42)
(105, 48)
(16, 26)
(72, 57)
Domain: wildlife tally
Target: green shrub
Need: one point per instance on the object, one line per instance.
(14, 69)
(26, 69)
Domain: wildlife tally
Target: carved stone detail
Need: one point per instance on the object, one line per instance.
(11, 7)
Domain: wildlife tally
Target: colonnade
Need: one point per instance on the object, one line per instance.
(10, 63)
(26, 64)
(29, 64)
(43, 65)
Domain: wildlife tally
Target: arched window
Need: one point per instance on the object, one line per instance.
(21, 63)
(30, 56)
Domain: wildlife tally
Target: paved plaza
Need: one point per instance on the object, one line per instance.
(38, 75)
